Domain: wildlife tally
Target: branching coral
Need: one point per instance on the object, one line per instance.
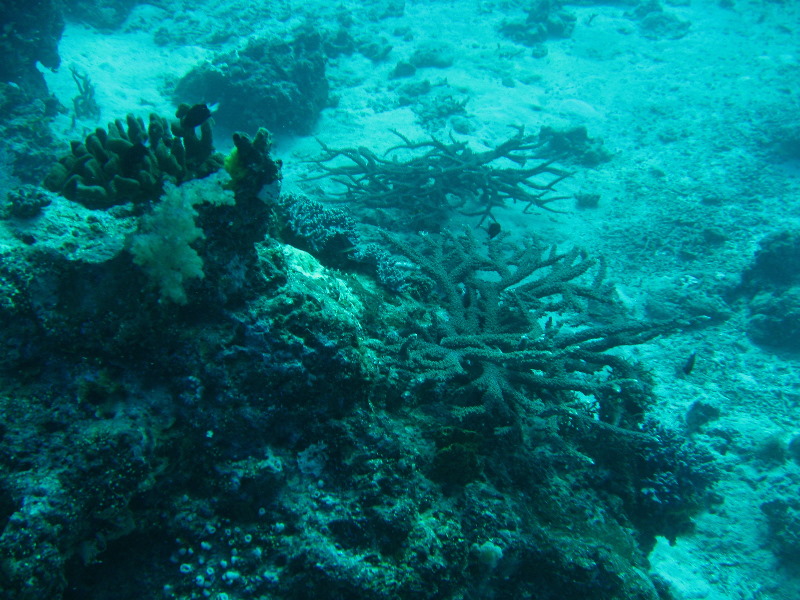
(437, 177)
(84, 104)
(511, 325)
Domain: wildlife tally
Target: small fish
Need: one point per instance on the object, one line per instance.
(689, 364)
(493, 229)
(196, 115)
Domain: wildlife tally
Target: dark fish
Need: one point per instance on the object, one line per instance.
(196, 115)
(493, 229)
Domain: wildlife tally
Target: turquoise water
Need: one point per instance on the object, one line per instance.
(399, 300)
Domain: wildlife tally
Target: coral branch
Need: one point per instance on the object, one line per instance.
(441, 176)
(511, 326)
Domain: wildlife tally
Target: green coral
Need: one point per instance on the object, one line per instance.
(131, 162)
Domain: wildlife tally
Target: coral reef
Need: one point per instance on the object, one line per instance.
(783, 518)
(131, 162)
(775, 319)
(545, 19)
(274, 83)
(220, 414)
(425, 181)
(506, 336)
(103, 14)
(777, 261)
(29, 35)
(656, 23)
(28, 144)
(574, 144)
(440, 105)
(772, 287)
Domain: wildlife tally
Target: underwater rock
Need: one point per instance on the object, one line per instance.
(434, 54)
(655, 23)
(545, 19)
(29, 144)
(32, 31)
(403, 69)
(772, 286)
(338, 42)
(271, 82)
(376, 49)
(574, 144)
(777, 261)
(103, 14)
(775, 319)
(783, 518)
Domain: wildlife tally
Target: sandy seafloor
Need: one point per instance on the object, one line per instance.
(692, 124)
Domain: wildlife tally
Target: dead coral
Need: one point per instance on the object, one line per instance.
(427, 180)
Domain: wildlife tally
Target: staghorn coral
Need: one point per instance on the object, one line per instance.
(130, 162)
(436, 177)
(510, 326)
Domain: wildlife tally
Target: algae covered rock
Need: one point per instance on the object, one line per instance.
(31, 32)
(270, 83)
